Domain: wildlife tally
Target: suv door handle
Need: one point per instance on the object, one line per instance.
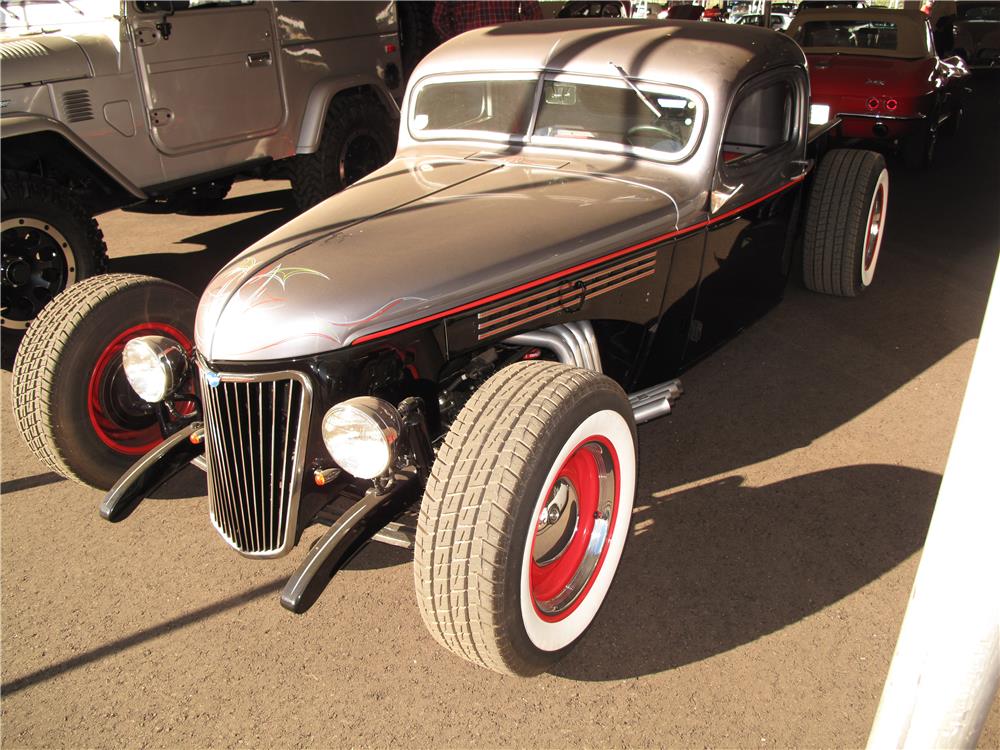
(256, 59)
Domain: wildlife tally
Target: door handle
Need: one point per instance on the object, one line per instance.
(799, 168)
(256, 59)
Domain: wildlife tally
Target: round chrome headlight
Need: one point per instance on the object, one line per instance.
(360, 435)
(154, 366)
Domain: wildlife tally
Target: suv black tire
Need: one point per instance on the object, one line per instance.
(491, 577)
(67, 388)
(48, 242)
(357, 139)
(847, 202)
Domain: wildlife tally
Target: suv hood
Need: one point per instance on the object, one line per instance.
(42, 58)
(450, 232)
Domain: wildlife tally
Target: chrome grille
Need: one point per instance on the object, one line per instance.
(255, 439)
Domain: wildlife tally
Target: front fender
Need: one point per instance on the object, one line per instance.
(23, 124)
(319, 102)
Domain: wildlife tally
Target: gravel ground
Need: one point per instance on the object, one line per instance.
(779, 520)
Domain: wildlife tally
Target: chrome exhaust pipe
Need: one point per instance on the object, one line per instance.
(655, 401)
(574, 344)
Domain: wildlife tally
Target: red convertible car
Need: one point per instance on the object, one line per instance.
(877, 70)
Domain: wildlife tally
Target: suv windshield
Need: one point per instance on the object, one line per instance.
(577, 111)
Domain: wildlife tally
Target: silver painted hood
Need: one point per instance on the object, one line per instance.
(448, 232)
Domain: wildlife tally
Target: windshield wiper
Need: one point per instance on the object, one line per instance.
(645, 99)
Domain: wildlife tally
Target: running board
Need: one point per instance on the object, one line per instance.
(655, 401)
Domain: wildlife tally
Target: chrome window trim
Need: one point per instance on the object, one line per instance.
(575, 144)
(299, 455)
(457, 134)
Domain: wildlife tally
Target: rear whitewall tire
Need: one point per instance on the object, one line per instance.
(876, 224)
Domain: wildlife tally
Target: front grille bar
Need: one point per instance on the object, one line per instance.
(256, 429)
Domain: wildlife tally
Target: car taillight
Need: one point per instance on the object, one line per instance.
(891, 104)
(872, 103)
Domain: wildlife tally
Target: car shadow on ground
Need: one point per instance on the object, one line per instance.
(194, 270)
(714, 567)
(266, 200)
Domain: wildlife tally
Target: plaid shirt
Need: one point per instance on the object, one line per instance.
(451, 18)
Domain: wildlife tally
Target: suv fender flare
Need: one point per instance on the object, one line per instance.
(319, 102)
(28, 124)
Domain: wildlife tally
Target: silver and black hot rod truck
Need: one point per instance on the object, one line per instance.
(576, 211)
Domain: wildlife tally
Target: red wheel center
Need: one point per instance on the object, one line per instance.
(573, 529)
(116, 414)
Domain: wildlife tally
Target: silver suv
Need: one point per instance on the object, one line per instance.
(108, 103)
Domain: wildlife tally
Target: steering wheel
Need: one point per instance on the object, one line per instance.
(652, 131)
(649, 129)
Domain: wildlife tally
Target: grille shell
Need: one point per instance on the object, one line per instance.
(256, 432)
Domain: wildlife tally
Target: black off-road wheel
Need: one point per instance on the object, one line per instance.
(48, 241)
(525, 516)
(845, 222)
(358, 137)
(72, 402)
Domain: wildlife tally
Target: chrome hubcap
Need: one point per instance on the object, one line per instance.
(572, 528)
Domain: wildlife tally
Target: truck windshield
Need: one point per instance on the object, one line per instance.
(581, 112)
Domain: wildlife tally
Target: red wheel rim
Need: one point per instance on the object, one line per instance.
(573, 529)
(115, 423)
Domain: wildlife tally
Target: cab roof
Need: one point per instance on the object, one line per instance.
(713, 58)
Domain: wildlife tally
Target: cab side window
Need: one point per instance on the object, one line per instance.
(763, 119)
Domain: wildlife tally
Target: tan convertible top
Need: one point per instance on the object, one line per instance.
(912, 37)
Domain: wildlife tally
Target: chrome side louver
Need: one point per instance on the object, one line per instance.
(565, 296)
(255, 441)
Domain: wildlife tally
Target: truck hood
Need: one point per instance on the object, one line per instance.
(416, 238)
(42, 58)
(862, 75)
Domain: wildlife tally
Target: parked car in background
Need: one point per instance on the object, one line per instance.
(778, 21)
(107, 104)
(821, 4)
(594, 9)
(977, 33)
(715, 13)
(877, 70)
(682, 12)
(572, 217)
